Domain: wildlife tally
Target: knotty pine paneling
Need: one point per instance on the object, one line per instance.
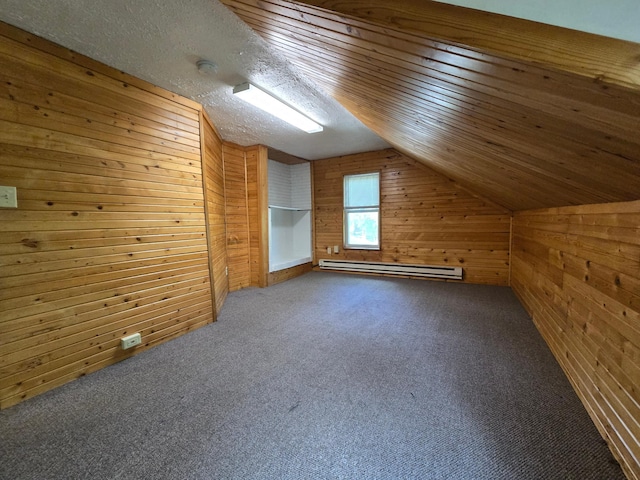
(476, 96)
(109, 234)
(289, 273)
(425, 218)
(236, 215)
(518, 38)
(577, 272)
(245, 170)
(258, 193)
(217, 232)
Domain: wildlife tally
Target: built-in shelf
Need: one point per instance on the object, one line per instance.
(284, 263)
(289, 215)
(295, 209)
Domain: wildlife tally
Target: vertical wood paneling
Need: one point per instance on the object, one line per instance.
(425, 218)
(214, 188)
(247, 215)
(577, 271)
(236, 213)
(109, 234)
(258, 203)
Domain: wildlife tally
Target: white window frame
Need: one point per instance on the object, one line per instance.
(359, 209)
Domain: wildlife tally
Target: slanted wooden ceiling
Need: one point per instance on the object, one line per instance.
(528, 115)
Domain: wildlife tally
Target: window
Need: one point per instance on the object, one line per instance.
(362, 211)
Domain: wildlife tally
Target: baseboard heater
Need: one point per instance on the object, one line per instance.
(429, 271)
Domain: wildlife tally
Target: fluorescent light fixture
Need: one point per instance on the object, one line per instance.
(261, 99)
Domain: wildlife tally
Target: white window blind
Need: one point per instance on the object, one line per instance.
(362, 190)
(362, 211)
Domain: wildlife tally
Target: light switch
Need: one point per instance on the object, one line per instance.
(8, 197)
(336, 249)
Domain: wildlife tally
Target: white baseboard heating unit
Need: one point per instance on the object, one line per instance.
(430, 271)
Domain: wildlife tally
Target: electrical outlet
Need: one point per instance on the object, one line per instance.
(329, 250)
(130, 341)
(8, 197)
(336, 249)
(226, 271)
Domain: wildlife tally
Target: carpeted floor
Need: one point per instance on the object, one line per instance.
(324, 376)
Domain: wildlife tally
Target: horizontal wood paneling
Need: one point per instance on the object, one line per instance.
(217, 232)
(476, 96)
(109, 234)
(577, 271)
(289, 273)
(425, 218)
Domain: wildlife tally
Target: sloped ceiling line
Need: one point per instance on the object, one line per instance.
(438, 93)
(517, 133)
(435, 62)
(600, 58)
(434, 113)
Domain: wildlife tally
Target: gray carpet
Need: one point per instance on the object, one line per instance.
(324, 376)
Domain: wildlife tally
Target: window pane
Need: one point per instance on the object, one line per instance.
(362, 190)
(362, 228)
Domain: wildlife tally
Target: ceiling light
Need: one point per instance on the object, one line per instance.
(261, 99)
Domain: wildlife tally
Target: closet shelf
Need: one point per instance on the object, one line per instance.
(294, 209)
(284, 263)
(289, 215)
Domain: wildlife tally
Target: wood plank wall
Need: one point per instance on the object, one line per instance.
(425, 218)
(577, 272)
(258, 192)
(109, 235)
(247, 215)
(245, 175)
(237, 215)
(289, 273)
(214, 195)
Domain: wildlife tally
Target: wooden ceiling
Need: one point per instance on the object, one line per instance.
(528, 115)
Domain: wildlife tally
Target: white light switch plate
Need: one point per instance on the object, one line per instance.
(8, 197)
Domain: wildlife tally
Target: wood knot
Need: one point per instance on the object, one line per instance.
(600, 78)
(29, 242)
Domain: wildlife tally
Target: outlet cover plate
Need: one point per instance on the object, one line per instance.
(130, 341)
(8, 197)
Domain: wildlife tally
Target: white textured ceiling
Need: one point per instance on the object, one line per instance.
(161, 40)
